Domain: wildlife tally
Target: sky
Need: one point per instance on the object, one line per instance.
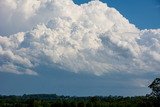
(108, 47)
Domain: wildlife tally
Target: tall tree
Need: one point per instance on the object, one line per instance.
(155, 86)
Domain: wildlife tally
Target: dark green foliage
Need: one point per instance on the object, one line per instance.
(52, 100)
(155, 86)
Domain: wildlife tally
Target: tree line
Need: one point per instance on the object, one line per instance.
(53, 100)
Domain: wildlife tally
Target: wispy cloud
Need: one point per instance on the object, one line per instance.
(158, 6)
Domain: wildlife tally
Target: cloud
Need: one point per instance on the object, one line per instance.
(157, 6)
(91, 38)
(23, 15)
(141, 83)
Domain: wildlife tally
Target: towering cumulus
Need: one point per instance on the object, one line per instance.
(90, 38)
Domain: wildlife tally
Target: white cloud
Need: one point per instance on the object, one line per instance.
(92, 38)
(22, 15)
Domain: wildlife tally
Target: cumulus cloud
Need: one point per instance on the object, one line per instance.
(22, 15)
(91, 38)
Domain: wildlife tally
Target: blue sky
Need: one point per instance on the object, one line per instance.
(144, 14)
(67, 83)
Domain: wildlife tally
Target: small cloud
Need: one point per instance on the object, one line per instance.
(30, 72)
(143, 83)
(158, 6)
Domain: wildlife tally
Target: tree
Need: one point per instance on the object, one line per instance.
(155, 86)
